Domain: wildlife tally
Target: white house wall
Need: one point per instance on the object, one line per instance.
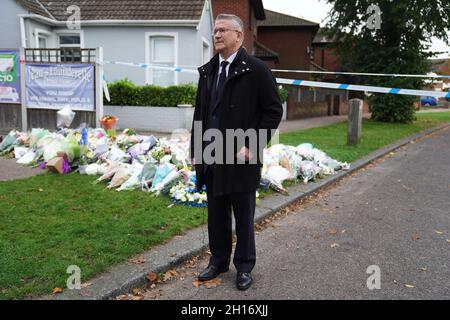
(10, 24)
(205, 31)
(121, 43)
(32, 27)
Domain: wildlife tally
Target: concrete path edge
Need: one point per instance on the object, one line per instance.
(122, 278)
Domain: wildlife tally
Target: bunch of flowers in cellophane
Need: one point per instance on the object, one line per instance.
(108, 122)
(186, 192)
(130, 161)
(304, 162)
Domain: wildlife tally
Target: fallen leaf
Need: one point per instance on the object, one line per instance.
(138, 260)
(334, 245)
(136, 291)
(208, 284)
(424, 269)
(213, 283)
(409, 286)
(152, 277)
(333, 232)
(173, 254)
(86, 284)
(57, 290)
(169, 275)
(438, 232)
(415, 237)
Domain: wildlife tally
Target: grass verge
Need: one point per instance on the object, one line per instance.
(50, 222)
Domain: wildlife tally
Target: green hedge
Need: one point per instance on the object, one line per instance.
(126, 93)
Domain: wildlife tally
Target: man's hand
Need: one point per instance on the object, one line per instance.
(244, 154)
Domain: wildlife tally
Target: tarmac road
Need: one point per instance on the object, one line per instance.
(393, 214)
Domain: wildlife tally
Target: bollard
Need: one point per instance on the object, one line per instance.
(354, 121)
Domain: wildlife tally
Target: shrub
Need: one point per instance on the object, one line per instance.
(283, 92)
(126, 93)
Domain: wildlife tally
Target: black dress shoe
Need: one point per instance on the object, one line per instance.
(211, 272)
(244, 280)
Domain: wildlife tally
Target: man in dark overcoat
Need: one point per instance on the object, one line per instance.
(237, 94)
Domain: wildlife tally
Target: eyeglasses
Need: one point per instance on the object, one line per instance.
(222, 31)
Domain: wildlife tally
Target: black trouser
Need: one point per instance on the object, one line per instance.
(219, 227)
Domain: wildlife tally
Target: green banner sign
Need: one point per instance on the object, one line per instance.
(8, 68)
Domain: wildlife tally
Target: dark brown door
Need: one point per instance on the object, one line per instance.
(336, 105)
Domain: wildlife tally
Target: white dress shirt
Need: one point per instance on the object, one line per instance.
(230, 61)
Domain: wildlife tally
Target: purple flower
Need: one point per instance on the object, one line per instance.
(65, 167)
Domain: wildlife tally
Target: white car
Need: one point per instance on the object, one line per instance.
(9, 93)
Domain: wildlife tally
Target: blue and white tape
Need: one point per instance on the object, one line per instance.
(353, 87)
(316, 84)
(152, 66)
(399, 75)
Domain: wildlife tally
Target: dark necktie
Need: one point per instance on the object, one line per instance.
(222, 78)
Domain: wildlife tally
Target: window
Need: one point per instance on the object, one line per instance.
(69, 40)
(42, 44)
(70, 45)
(162, 53)
(41, 38)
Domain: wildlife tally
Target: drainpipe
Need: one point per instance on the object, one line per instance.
(22, 33)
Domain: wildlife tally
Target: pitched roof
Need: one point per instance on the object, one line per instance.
(322, 37)
(119, 9)
(264, 53)
(34, 6)
(276, 19)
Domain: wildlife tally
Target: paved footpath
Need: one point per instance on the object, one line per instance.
(393, 214)
(10, 170)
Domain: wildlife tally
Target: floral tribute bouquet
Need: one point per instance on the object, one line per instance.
(108, 123)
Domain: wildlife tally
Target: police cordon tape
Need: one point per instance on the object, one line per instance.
(152, 66)
(398, 75)
(307, 83)
(353, 87)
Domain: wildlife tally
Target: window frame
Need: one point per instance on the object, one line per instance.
(149, 53)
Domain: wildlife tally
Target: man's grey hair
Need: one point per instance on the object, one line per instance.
(234, 19)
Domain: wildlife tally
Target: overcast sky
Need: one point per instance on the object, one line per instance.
(316, 10)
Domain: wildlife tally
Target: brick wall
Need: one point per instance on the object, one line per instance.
(290, 44)
(326, 58)
(242, 9)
